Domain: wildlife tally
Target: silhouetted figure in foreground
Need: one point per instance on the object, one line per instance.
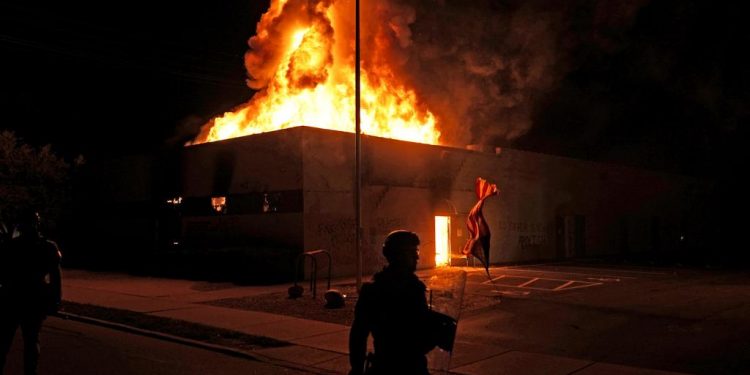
(393, 308)
(30, 288)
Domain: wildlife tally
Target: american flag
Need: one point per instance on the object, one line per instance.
(479, 239)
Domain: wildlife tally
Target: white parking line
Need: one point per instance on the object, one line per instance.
(573, 273)
(567, 284)
(528, 282)
(511, 292)
(492, 280)
(604, 279)
(587, 284)
(602, 269)
(534, 279)
(564, 285)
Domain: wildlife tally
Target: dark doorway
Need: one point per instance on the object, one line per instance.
(570, 236)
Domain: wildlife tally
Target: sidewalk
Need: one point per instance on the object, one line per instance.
(318, 346)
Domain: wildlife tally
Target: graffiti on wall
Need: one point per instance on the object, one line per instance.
(337, 231)
(524, 226)
(530, 235)
(528, 242)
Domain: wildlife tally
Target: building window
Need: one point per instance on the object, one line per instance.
(242, 204)
(219, 204)
(176, 201)
(271, 202)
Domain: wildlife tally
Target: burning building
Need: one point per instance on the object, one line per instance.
(293, 189)
(295, 186)
(255, 176)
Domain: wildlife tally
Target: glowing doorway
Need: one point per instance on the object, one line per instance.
(442, 240)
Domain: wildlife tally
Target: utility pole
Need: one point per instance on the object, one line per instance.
(357, 151)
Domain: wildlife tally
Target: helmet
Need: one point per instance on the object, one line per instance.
(397, 241)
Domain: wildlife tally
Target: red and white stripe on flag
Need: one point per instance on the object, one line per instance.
(485, 189)
(478, 244)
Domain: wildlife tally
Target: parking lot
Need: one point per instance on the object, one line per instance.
(670, 318)
(551, 278)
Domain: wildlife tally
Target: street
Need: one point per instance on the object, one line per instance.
(70, 347)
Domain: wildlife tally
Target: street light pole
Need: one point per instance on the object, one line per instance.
(357, 151)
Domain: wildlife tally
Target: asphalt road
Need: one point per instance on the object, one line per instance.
(70, 347)
(674, 319)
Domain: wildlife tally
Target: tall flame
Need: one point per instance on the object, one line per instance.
(302, 63)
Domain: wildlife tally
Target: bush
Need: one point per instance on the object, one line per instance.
(32, 178)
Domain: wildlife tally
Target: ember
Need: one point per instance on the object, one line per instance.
(302, 64)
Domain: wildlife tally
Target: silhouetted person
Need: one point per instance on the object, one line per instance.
(30, 280)
(393, 308)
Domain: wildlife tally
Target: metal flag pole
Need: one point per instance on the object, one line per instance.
(357, 151)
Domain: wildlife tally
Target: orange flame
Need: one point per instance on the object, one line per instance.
(302, 63)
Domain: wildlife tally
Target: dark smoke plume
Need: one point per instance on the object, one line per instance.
(482, 65)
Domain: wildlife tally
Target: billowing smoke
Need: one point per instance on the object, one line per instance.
(481, 65)
(268, 47)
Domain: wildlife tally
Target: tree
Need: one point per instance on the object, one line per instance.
(31, 178)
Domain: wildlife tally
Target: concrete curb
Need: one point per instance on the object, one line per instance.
(195, 343)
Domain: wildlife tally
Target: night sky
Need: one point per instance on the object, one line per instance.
(657, 84)
(103, 79)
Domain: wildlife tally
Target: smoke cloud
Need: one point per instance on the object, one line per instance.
(481, 66)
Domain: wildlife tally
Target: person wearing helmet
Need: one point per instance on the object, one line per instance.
(393, 308)
(30, 287)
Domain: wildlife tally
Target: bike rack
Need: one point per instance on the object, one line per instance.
(314, 272)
